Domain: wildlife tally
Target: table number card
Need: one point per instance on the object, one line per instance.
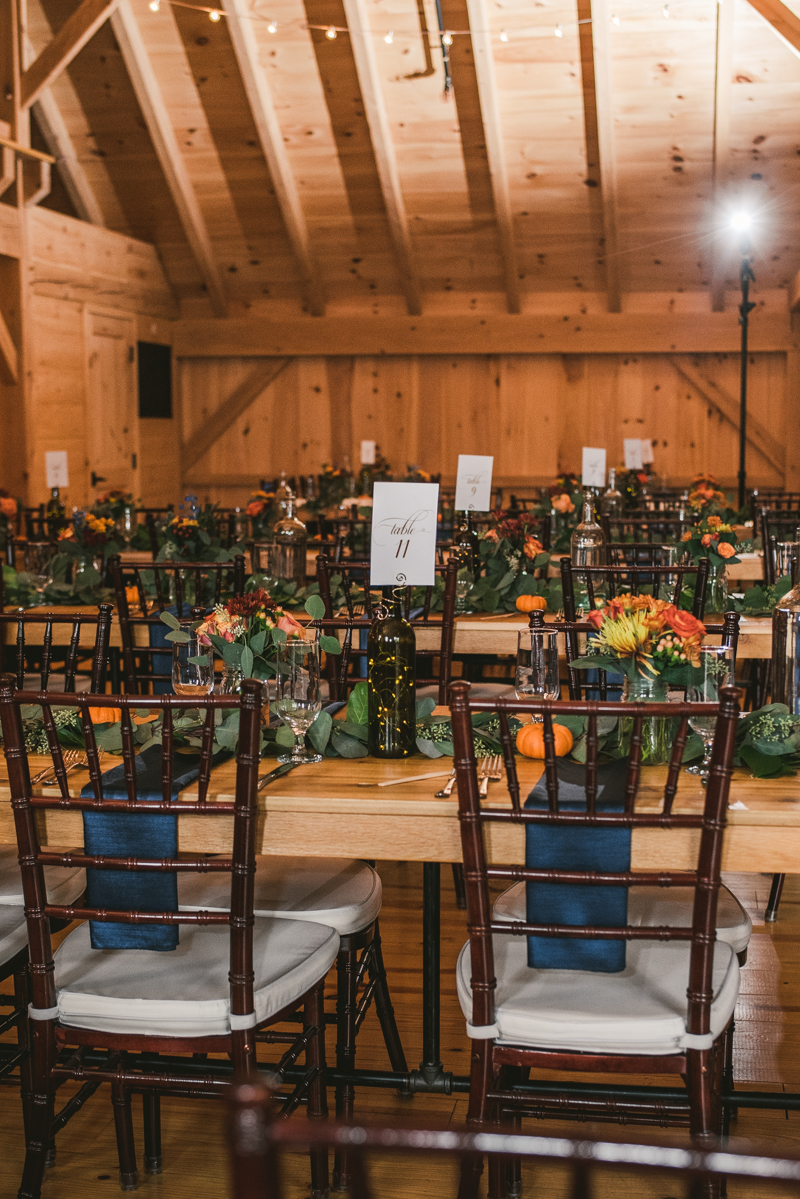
(404, 534)
(474, 483)
(633, 453)
(55, 465)
(647, 451)
(367, 453)
(593, 470)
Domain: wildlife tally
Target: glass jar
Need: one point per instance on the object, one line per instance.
(612, 501)
(287, 558)
(587, 545)
(717, 591)
(231, 681)
(657, 731)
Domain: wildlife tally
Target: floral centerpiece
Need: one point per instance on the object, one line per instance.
(8, 517)
(705, 498)
(713, 539)
(631, 484)
(371, 473)
(652, 644)
(263, 513)
(513, 564)
(76, 569)
(194, 535)
(561, 506)
(112, 503)
(415, 474)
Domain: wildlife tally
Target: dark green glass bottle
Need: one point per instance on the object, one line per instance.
(391, 684)
(467, 544)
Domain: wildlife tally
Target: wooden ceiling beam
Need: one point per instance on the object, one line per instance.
(723, 86)
(783, 21)
(481, 39)
(76, 31)
(165, 144)
(270, 135)
(598, 117)
(383, 148)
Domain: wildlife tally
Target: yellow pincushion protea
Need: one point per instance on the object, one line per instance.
(627, 635)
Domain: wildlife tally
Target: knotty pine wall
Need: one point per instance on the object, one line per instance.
(533, 413)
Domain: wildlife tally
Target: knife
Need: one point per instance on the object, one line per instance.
(276, 773)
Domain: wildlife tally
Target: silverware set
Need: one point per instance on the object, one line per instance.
(73, 760)
(490, 771)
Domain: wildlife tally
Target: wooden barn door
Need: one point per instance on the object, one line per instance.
(112, 412)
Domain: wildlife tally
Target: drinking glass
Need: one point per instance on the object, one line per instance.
(537, 666)
(299, 697)
(716, 670)
(192, 668)
(786, 551)
(464, 581)
(37, 558)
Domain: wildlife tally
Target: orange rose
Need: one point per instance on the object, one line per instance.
(562, 503)
(255, 508)
(705, 539)
(290, 626)
(532, 547)
(8, 506)
(595, 617)
(683, 623)
(725, 549)
(687, 536)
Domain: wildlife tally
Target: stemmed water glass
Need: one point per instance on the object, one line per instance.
(715, 671)
(537, 674)
(192, 668)
(299, 696)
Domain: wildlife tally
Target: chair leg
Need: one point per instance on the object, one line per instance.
(460, 886)
(151, 1111)
(704, 1075)
(346, 1010)
(41, 1110)
(126, 1146)
(21, 999)
(383, 1005)
(771, 914)
(728, 1084)
(314, 1016)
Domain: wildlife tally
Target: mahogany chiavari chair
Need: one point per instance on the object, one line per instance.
(644, 1020)
(25, 657)
(142, 593)
(605, 582)
(775, 526)
(646, 527)
(766, 497)
(235, 977)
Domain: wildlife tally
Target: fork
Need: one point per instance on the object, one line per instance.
(494, 773)
(447, 789)
(483, 782)
(73, 760)
(70, 759)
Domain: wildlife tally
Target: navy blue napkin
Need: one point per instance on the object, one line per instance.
(124, 834)
(565, 847)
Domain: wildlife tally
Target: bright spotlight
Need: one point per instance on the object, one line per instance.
(741, 221)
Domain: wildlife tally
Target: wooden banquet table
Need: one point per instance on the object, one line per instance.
(322, 809)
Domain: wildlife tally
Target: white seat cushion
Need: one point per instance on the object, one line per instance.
(185, 993)
(485, 690)
(13, 933)
(640, 1010)
(339, 892)
(654, 906)
(63, 886)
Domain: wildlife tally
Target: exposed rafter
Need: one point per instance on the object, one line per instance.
(723, 82)
(59, 53)
(270, 136)
(598, 114)
(383, 148)
(165, 143)
(493, 135)
(783, 21)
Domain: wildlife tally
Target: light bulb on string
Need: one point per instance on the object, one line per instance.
(330, 33)
(559, 32)
(447, 38)
(665, 12)
(389, 37)
(214, 15)
(155, 5)
(503, 35)
(615, 20)
(272, 27)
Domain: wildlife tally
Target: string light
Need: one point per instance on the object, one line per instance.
(448, 38)
(389, 38)
(272, 27)
(559, 32)
(665, 11)
(155, 5)
(503, 35)
(214, 15)
(615, 20)
(330, 33)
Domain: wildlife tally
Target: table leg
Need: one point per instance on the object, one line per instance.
(431, 1065)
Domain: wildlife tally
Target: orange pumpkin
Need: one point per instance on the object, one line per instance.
(530, 603)
(105, 715)
(530, 740)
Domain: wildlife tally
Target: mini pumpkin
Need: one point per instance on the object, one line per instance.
(530, 740)
(105, 715)
(530, 603)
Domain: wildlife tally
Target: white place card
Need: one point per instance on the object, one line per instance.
(647, 451)
(404, 534)
(633, 453)
(367, 453)
(474, 483)
(55, 465)
(593, 470)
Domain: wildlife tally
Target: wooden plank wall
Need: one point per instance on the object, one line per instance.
(532, 412)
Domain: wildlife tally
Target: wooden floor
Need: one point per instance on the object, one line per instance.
(767, 1058)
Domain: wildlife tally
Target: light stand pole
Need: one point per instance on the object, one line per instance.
(746, 277)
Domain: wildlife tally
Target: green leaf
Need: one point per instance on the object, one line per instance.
(359, 731)
(320, 732)
(694, 748)
(258, 642)
(431, 749)
(347, 747)
(178, 637)
(278, 636)
(763, 766)
(506, 581)
(315, 607)
(170, 620)
(330, 645)
(247, 662)
(575, 724)
(358, 703)
(285, 737)
(227, 738)
(425, 707)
